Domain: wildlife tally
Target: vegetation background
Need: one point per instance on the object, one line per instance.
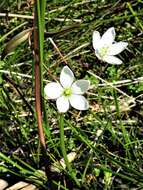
(106, 141)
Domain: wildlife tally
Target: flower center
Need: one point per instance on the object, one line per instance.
(67, 92)
(103, 51)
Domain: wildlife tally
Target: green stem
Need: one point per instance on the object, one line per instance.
(41, 27)
(41, 42)
(63, 149)
(38, 53)
(37, 50)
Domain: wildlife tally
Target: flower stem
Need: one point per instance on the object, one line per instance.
(63, 149)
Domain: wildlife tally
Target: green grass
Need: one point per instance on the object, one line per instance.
(107, 139)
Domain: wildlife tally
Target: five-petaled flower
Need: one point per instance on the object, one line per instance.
(68, 92)
(106, 48)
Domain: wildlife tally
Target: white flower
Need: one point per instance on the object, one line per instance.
(106, 48)
(68, 92)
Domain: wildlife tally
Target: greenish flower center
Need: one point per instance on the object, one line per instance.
(67, 92)
(103, 51)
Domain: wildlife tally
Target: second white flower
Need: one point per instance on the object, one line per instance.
(106, 48)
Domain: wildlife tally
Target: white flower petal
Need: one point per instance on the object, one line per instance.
(96, 39)
(79, 102)
(53, 90)
(108, 37)
(62, 104)
(80, 86)
(116, 48)
(112, 60)
(66, 77)
(98, 54)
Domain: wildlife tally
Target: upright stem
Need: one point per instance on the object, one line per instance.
(38, 57)
(38, 79)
